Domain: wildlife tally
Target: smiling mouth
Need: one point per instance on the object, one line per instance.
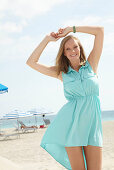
(74, 55)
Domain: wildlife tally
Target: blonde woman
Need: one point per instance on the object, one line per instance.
(74, 137)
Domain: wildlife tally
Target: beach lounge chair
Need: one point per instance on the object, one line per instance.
(5, 136)
(25, 128)
(1, 133)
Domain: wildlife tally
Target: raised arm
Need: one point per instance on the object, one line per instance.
(34, 57)
(95, 54)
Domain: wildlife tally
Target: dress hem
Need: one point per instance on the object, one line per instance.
(43, 146)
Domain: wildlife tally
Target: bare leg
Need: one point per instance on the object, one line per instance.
(75, 156)
(93, 156)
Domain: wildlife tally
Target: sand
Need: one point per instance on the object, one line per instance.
(25, 153)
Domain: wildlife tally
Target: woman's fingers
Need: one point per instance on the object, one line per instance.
(58, 34)
(54, 36)
(60, 31)
(52, 33)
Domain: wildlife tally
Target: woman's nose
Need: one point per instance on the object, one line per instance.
(73, 50)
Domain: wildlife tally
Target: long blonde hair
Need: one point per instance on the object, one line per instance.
(62, 62)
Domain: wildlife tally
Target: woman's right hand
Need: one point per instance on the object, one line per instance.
(53, 36)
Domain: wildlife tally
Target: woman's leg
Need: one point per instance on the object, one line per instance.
(75, 156)
(93, 156)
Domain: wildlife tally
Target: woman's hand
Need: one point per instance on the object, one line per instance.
(62, 32)
(53, 36)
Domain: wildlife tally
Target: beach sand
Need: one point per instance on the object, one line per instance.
(25, 152)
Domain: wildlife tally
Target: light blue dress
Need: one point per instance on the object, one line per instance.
(78, 122)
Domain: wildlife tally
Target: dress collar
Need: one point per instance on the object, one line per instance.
(71, 69)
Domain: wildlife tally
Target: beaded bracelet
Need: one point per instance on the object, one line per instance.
(74, 29)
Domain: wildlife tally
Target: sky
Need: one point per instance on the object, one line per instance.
(24, 24)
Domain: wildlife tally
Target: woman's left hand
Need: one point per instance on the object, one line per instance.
(62, 32)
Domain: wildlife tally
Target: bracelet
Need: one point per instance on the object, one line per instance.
(74, 29)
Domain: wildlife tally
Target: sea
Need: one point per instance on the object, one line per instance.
(37, 120)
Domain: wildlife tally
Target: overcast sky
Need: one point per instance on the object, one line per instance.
(23, 24)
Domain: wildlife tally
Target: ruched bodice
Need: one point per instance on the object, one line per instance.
(80, 84)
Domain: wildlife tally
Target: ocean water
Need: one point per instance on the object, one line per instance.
(38, 120)
(107, 115)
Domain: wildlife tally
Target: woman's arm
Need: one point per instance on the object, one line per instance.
(38, 51)
(95, 53)
(34, 57)
(94, 30)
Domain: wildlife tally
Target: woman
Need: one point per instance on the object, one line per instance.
(74, 137)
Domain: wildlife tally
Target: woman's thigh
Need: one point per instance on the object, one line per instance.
(75, 156)
(93, 156)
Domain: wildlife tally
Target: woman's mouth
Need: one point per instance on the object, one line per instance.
(74, 55)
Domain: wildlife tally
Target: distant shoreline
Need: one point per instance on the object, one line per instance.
(29, 121)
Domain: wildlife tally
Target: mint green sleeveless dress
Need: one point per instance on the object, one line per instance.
(78, 122)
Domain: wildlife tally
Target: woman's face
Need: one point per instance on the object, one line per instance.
(72, 50)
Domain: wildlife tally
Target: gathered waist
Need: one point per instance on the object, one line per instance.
(80, 97)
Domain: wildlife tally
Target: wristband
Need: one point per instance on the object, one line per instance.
(74, 29)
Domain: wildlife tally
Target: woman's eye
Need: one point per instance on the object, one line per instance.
(69, 48)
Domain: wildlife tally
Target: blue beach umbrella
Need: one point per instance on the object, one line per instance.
(11, 115)
(23, 115)
(16, 114)
(3, 89)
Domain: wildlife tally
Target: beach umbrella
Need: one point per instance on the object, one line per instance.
(3, 89)
(39, 111)
(34, 113)
(16, 114)
(11, 115)
(24, 114)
